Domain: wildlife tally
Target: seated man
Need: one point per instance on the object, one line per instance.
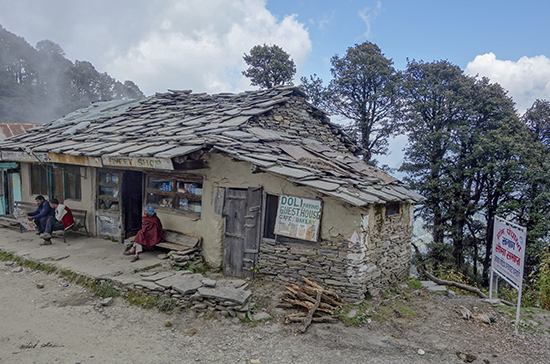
(149, 235)
(41, 214)
(62, 221)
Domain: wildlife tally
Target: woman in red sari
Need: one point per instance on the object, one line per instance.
(149, 235)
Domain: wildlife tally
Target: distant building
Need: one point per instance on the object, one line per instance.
(10, 180)
(268, 182)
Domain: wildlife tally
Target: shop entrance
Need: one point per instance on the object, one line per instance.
(132, 202)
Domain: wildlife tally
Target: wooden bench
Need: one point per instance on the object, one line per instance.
(25, 206)
(79, 217)
(180, 241)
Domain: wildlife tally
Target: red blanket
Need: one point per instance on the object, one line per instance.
(150, 233)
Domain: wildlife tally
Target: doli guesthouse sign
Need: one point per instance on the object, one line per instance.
(508, 257)
(298, 218)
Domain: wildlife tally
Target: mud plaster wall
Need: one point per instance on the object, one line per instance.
(87, 187)
(225, 173)
(380, 257)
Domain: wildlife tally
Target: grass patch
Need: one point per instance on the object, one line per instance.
(5, 256)
(140, 299)
(165, 303)
(106, 289)
(414, 284)
(363, 315)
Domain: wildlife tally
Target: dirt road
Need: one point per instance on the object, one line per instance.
(62, 323)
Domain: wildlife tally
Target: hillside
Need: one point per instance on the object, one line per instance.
(38, 84)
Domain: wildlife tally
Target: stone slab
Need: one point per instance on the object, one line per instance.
(158, 277)
(188, 284)
(149, 285)
(225, 294)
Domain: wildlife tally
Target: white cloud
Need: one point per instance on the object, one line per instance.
(199, 45)
(526, 80)
(368, 15)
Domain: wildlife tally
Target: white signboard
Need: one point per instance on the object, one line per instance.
(509, 250)
(508, 257)
(298, 218)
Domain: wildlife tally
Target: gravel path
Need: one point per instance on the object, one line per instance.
(62, 323)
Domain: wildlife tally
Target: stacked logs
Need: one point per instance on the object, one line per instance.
(316, 301)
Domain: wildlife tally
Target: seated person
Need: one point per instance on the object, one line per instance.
(62, 221)
(149, 235)
(41, 214)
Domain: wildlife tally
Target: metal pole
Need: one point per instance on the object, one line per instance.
(491, 285)
(518, 309)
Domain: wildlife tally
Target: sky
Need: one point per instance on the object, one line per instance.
(199, 44)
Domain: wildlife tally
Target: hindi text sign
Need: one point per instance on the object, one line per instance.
(509, 250)
(298, 218)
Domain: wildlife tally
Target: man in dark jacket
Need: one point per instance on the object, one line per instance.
(41, 214)
(63, 220)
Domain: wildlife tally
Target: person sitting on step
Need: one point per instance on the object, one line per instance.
(150, 234)
(63, 220)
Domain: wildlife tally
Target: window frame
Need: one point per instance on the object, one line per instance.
(43, 185)
(173, 194)
(390, 209)
(78, 185)
(117, 185)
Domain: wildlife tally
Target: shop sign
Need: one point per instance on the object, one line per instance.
(298, 218)
(77, 160)
(138, 162)
(8, 155)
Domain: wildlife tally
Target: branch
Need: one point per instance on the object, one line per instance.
(465, 287)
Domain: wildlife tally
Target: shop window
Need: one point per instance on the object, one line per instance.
(175, 193)
(392, 209)
(39, 180)
(71, 182)
(108, 190)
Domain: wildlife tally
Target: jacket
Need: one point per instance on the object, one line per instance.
(44, 209)
(65, 215)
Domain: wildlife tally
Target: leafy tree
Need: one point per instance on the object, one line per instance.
(40, 84)
(467, 152)
(318, 94)
(269, 66)
(433, 100)
(364, 89)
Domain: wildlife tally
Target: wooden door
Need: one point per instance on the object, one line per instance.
(243, 210)
(132, 202)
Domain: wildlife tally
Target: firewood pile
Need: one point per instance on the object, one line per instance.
(317, 304)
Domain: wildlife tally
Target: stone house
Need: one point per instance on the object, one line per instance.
(269, 183)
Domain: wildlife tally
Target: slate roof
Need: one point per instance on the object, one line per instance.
(245, 126)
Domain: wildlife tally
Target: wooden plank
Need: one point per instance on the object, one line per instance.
(172, 246)
(219, 200)
(182, 239)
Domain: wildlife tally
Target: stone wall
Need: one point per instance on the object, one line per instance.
(297, 117)
(381, 257)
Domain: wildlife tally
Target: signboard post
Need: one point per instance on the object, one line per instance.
(508, 257)
(298, 218)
